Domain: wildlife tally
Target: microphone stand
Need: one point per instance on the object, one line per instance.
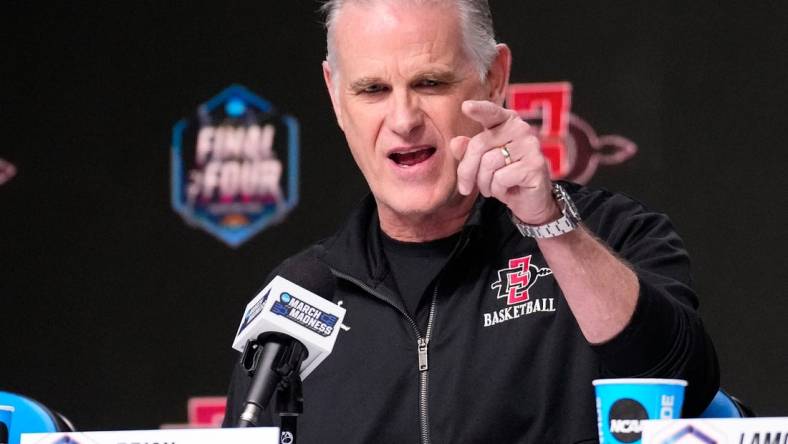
(289, 404)
(274, 362)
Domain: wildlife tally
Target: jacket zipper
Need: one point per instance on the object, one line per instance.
(423, 368)
(422, 348)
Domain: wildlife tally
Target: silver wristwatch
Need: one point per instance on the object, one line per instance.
(566, 223)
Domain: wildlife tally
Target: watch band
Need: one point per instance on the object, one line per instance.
(568, 221)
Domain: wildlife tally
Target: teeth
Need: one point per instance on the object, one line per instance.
(414, 150)
(412, 157)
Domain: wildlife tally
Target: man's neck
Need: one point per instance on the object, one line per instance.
(423, 227)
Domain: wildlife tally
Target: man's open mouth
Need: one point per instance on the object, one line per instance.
(410, 158)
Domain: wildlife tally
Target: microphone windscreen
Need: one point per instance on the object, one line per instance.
(310, 273)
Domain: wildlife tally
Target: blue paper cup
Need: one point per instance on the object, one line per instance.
(621, 405)
(6, 412)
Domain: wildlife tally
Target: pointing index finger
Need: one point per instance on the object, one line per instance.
(487, 113)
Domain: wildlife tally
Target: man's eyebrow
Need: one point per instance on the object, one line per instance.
(439, 75)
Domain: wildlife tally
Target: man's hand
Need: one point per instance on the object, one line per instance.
(600, 289)
(523, 185)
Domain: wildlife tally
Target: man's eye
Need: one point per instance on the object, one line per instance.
(428, 83)
(373, 89)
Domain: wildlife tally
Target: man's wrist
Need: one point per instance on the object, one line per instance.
(549, 215)
(565, 221)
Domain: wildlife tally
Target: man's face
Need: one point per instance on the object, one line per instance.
(400, 80)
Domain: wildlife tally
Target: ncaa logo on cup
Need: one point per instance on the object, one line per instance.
(625, 416)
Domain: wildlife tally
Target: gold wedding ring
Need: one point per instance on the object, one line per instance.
(507, 157)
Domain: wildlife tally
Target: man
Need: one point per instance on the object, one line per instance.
(480, 307)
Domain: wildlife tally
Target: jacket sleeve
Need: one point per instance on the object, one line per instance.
(665, 337)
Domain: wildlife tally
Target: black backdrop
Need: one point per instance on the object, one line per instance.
(114, 311)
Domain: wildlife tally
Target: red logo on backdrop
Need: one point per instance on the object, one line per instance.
(7, 171)
(571, 146)
(202, 412)
(206, 411)
(514, 282)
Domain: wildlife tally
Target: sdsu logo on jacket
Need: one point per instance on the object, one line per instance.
(513, 284)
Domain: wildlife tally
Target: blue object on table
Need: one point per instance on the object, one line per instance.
(32, 417)
(726, 406)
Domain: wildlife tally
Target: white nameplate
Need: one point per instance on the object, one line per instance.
(255, 435)
(716, 431)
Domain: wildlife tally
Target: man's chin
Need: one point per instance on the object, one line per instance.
(415, 220)
(408, 207)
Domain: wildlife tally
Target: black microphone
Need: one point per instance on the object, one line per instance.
(286, 331)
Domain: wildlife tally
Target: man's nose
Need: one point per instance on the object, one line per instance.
(405, 114)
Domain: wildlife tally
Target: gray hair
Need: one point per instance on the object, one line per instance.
(475, 21)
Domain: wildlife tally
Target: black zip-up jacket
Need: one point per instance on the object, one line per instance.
(479, 365)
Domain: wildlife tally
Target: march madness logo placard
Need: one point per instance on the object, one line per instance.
(304, 314)
(235, 165)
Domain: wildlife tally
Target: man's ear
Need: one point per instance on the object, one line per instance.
(498, 75)
(332, 92)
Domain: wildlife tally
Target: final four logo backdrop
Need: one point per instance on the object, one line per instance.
(235, 165)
